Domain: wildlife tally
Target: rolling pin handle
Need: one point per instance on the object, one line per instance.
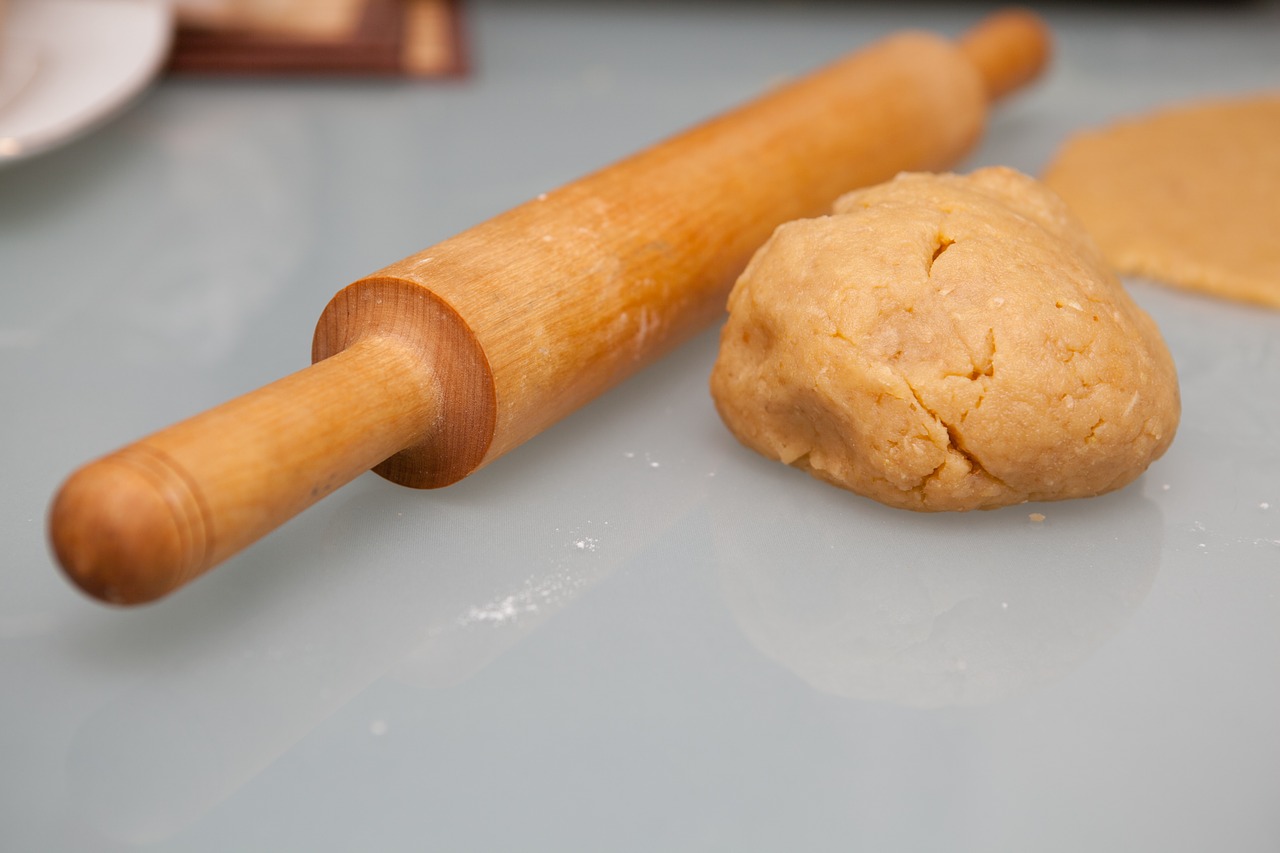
(143, 521)
(1009, 48)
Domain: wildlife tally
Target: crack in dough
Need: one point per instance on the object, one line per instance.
(943, 342)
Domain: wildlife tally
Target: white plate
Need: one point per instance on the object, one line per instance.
(68, 65)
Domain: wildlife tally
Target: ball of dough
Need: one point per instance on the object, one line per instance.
(945, 342)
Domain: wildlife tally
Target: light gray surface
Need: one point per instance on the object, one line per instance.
(631, 634)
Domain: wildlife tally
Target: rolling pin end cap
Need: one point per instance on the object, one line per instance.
(126, 530)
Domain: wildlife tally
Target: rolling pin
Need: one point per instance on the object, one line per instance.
(438, 364)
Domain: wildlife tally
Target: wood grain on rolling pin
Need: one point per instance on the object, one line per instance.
(447, 359)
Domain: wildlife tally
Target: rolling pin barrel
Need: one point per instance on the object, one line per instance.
(438, 364)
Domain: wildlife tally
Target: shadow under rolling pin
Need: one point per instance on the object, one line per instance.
(434, 366)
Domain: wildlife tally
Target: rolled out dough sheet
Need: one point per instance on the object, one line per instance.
(1188, 196)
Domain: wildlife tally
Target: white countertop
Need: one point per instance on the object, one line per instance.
(631, 633)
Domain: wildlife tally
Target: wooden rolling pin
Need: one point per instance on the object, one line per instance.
(436, 365)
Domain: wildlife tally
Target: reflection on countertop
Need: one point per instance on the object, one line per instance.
(313, 618)
(855, 599)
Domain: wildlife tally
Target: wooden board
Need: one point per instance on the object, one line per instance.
(412, 38)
